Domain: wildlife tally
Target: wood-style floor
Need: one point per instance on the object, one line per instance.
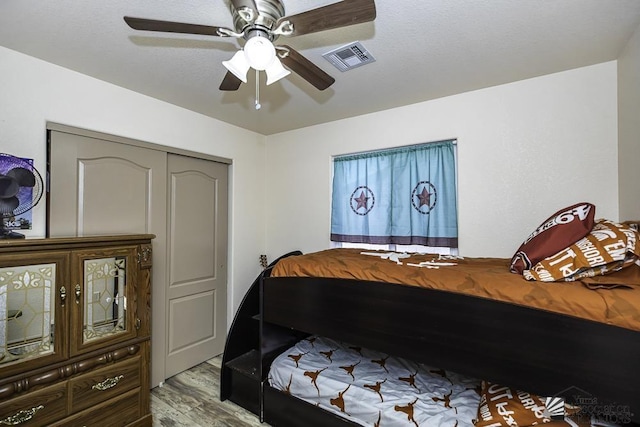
(192, 398)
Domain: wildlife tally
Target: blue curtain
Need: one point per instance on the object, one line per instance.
(401, 196)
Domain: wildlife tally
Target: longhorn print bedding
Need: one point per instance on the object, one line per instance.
(374, 389)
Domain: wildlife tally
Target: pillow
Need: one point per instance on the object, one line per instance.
(560, 230)
(609, 247)
(633, 224)
(504, 406)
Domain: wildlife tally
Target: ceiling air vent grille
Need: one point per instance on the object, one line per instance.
(349, 56)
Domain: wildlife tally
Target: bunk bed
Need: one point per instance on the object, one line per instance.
(549, 351)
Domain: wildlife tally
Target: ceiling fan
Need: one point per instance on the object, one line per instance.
(260, 23)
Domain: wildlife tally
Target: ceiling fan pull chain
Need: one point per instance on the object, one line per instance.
(258, 106)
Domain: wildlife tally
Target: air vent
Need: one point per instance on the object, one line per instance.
(349, 56)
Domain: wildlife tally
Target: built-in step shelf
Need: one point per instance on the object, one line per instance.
(244, 376)
(276, 337)
(250, 348)
(242, 350)
(247, 364)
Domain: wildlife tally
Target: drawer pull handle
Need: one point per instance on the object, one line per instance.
(21, 417)
(108, 383)
(78, 293)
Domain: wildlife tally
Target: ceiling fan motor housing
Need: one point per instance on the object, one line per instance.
(269, 11)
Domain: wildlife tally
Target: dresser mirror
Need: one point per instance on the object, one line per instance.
(105, 284)
(27, 302)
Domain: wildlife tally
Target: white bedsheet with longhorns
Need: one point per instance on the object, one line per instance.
(372, 388)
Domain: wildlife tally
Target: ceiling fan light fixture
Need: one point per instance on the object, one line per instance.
(259, 52)
(276, 72)
(238, 66)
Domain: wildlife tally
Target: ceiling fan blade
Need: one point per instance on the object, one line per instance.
(306, 69)
(246, 8)
(230, 82)
(341, 14)
(175, 27)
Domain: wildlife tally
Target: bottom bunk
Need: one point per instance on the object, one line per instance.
(328, 383)
(372, 388)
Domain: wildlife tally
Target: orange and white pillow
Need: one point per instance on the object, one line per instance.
(607, 248)
(560, 230)
(504, 406)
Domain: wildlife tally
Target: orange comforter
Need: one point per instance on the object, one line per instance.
(481, 277)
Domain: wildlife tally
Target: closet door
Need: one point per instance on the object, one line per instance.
(196, 276)
(103, 184)
(100, 187)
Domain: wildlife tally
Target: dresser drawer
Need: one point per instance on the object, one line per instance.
(38, 408)
(117, 412)
(102, 384)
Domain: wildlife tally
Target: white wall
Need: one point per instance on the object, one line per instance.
(629, 128)
(33, 92)
(525, 150)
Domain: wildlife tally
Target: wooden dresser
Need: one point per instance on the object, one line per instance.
(74, 331)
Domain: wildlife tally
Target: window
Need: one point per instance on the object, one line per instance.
(403, 197)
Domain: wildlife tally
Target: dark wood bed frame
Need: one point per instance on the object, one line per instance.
(541, 352)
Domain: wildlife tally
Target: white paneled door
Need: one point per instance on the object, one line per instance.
(197, 273)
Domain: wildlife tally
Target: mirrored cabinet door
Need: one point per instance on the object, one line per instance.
(104, 301)
(33, 303)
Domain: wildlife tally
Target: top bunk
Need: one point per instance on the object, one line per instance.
(613, 299)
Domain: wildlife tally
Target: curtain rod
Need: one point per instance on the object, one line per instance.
(454, 141)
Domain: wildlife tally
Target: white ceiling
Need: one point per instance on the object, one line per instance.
(424, 49)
